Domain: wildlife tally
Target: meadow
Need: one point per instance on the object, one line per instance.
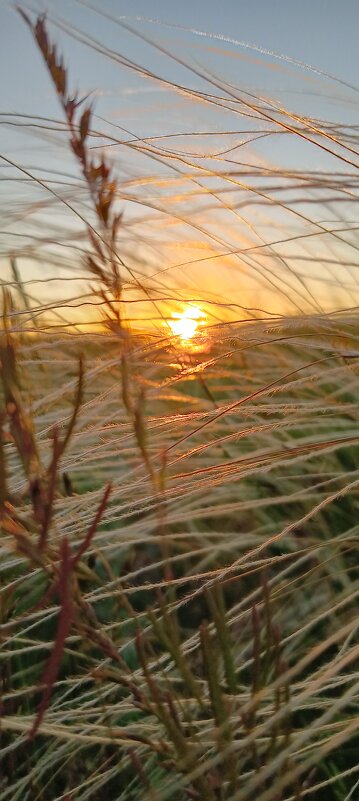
(179, 505)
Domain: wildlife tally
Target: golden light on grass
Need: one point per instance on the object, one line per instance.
(185, 324)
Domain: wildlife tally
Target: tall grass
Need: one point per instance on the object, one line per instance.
(179, 523)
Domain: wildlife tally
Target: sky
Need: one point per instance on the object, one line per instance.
(322, 33)
(279, 49)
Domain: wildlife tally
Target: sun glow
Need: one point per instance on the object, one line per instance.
(185, 324)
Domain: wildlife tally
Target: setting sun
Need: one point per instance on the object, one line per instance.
(185, 324)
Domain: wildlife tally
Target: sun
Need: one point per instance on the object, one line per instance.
(185, 324)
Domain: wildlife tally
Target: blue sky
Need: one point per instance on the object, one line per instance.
(275, 48)
(322, 33)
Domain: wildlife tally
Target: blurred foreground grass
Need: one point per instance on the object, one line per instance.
(237, 668)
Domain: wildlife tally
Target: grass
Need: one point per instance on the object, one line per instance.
(179, 539)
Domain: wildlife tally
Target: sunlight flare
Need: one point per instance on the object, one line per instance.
(185, 324)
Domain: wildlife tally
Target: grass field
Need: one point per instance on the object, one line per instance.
(179, 573)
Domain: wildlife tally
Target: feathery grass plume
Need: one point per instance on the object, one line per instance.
(102, 186)
(20, 423)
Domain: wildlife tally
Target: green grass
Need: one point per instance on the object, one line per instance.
(279, 505)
